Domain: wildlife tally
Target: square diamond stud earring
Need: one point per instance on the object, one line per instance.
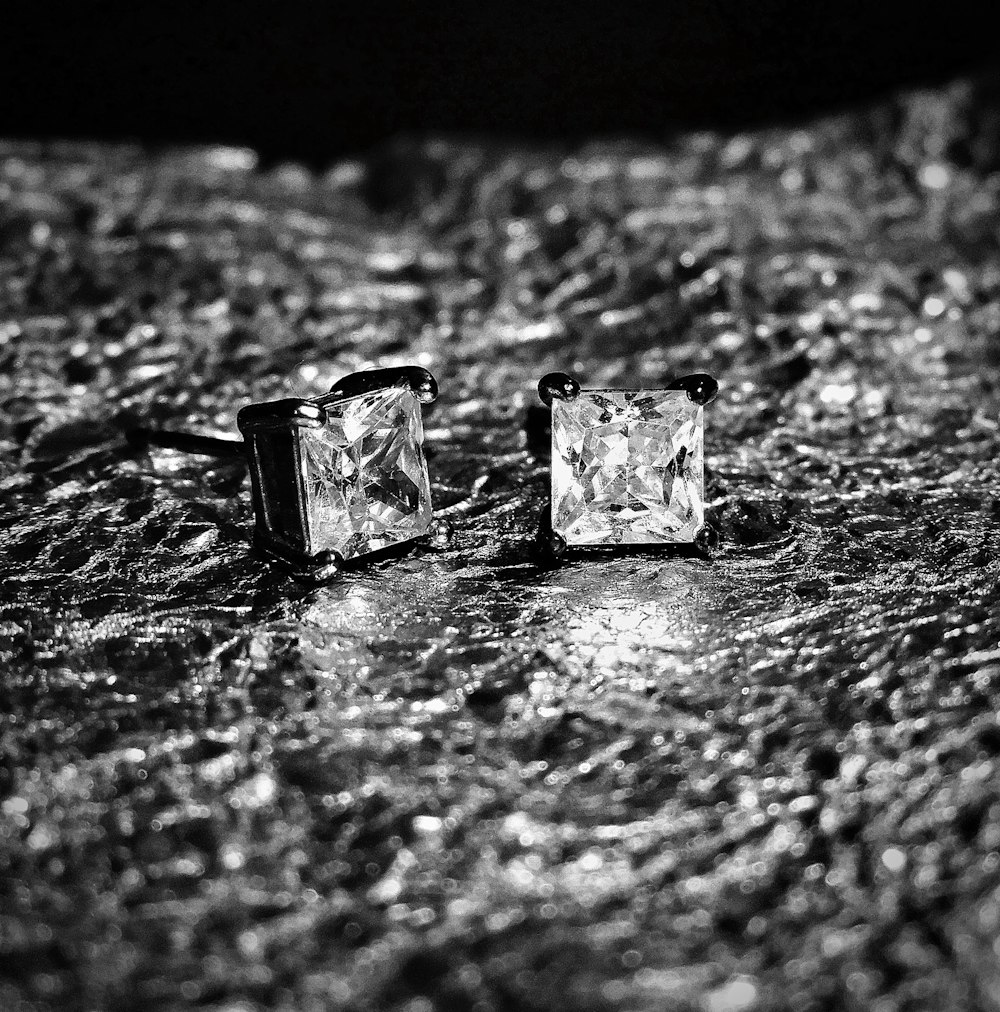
(335, 477)
(627, 465)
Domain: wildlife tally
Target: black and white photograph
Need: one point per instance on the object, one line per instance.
(499, 507)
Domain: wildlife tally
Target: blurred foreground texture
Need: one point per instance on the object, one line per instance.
(459, 780)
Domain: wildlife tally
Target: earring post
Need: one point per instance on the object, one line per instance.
(187, 442)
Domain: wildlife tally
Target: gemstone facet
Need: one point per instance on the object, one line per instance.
(627, 467)
(365, 477)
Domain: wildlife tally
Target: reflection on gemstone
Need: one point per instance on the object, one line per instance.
(365, 475)
(627, 467)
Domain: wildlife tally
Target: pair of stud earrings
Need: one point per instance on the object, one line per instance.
(339, 477)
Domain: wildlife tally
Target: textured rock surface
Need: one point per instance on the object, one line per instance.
(768, 781)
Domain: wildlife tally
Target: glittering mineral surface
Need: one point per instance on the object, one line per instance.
(765, 780)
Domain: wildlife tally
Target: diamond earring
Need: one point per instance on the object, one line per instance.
(334, 477)
(627, 465)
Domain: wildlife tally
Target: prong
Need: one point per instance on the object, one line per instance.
(419, 380)
(557, 386)
(317, 568)
(187, 442)
(699, 386)
(290, 412)
(706, 538)
(440, 534)
(325, 566)
(556, 546)
(551, 545)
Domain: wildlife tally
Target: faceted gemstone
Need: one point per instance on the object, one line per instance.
(627, 467)
(365, 475)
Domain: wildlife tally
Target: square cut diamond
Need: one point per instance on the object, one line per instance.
(366, 484)
(627, 467)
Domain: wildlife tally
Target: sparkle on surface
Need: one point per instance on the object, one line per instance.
(627, 467)
(365, 475)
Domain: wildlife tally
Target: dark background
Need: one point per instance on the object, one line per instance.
(313, 81)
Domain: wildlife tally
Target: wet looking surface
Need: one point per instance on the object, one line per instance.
(765, 780)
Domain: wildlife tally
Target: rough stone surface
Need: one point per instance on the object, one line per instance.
(462, 780)
(365, 475)
(627, 467)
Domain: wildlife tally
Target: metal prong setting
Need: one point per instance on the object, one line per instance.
(325, 566)
(292, 411)
(706, 538)
(419, 380)
(317, 568)
(699, 386)
(557, 386)
(550, 545)
(440, 534)
(555, 546)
